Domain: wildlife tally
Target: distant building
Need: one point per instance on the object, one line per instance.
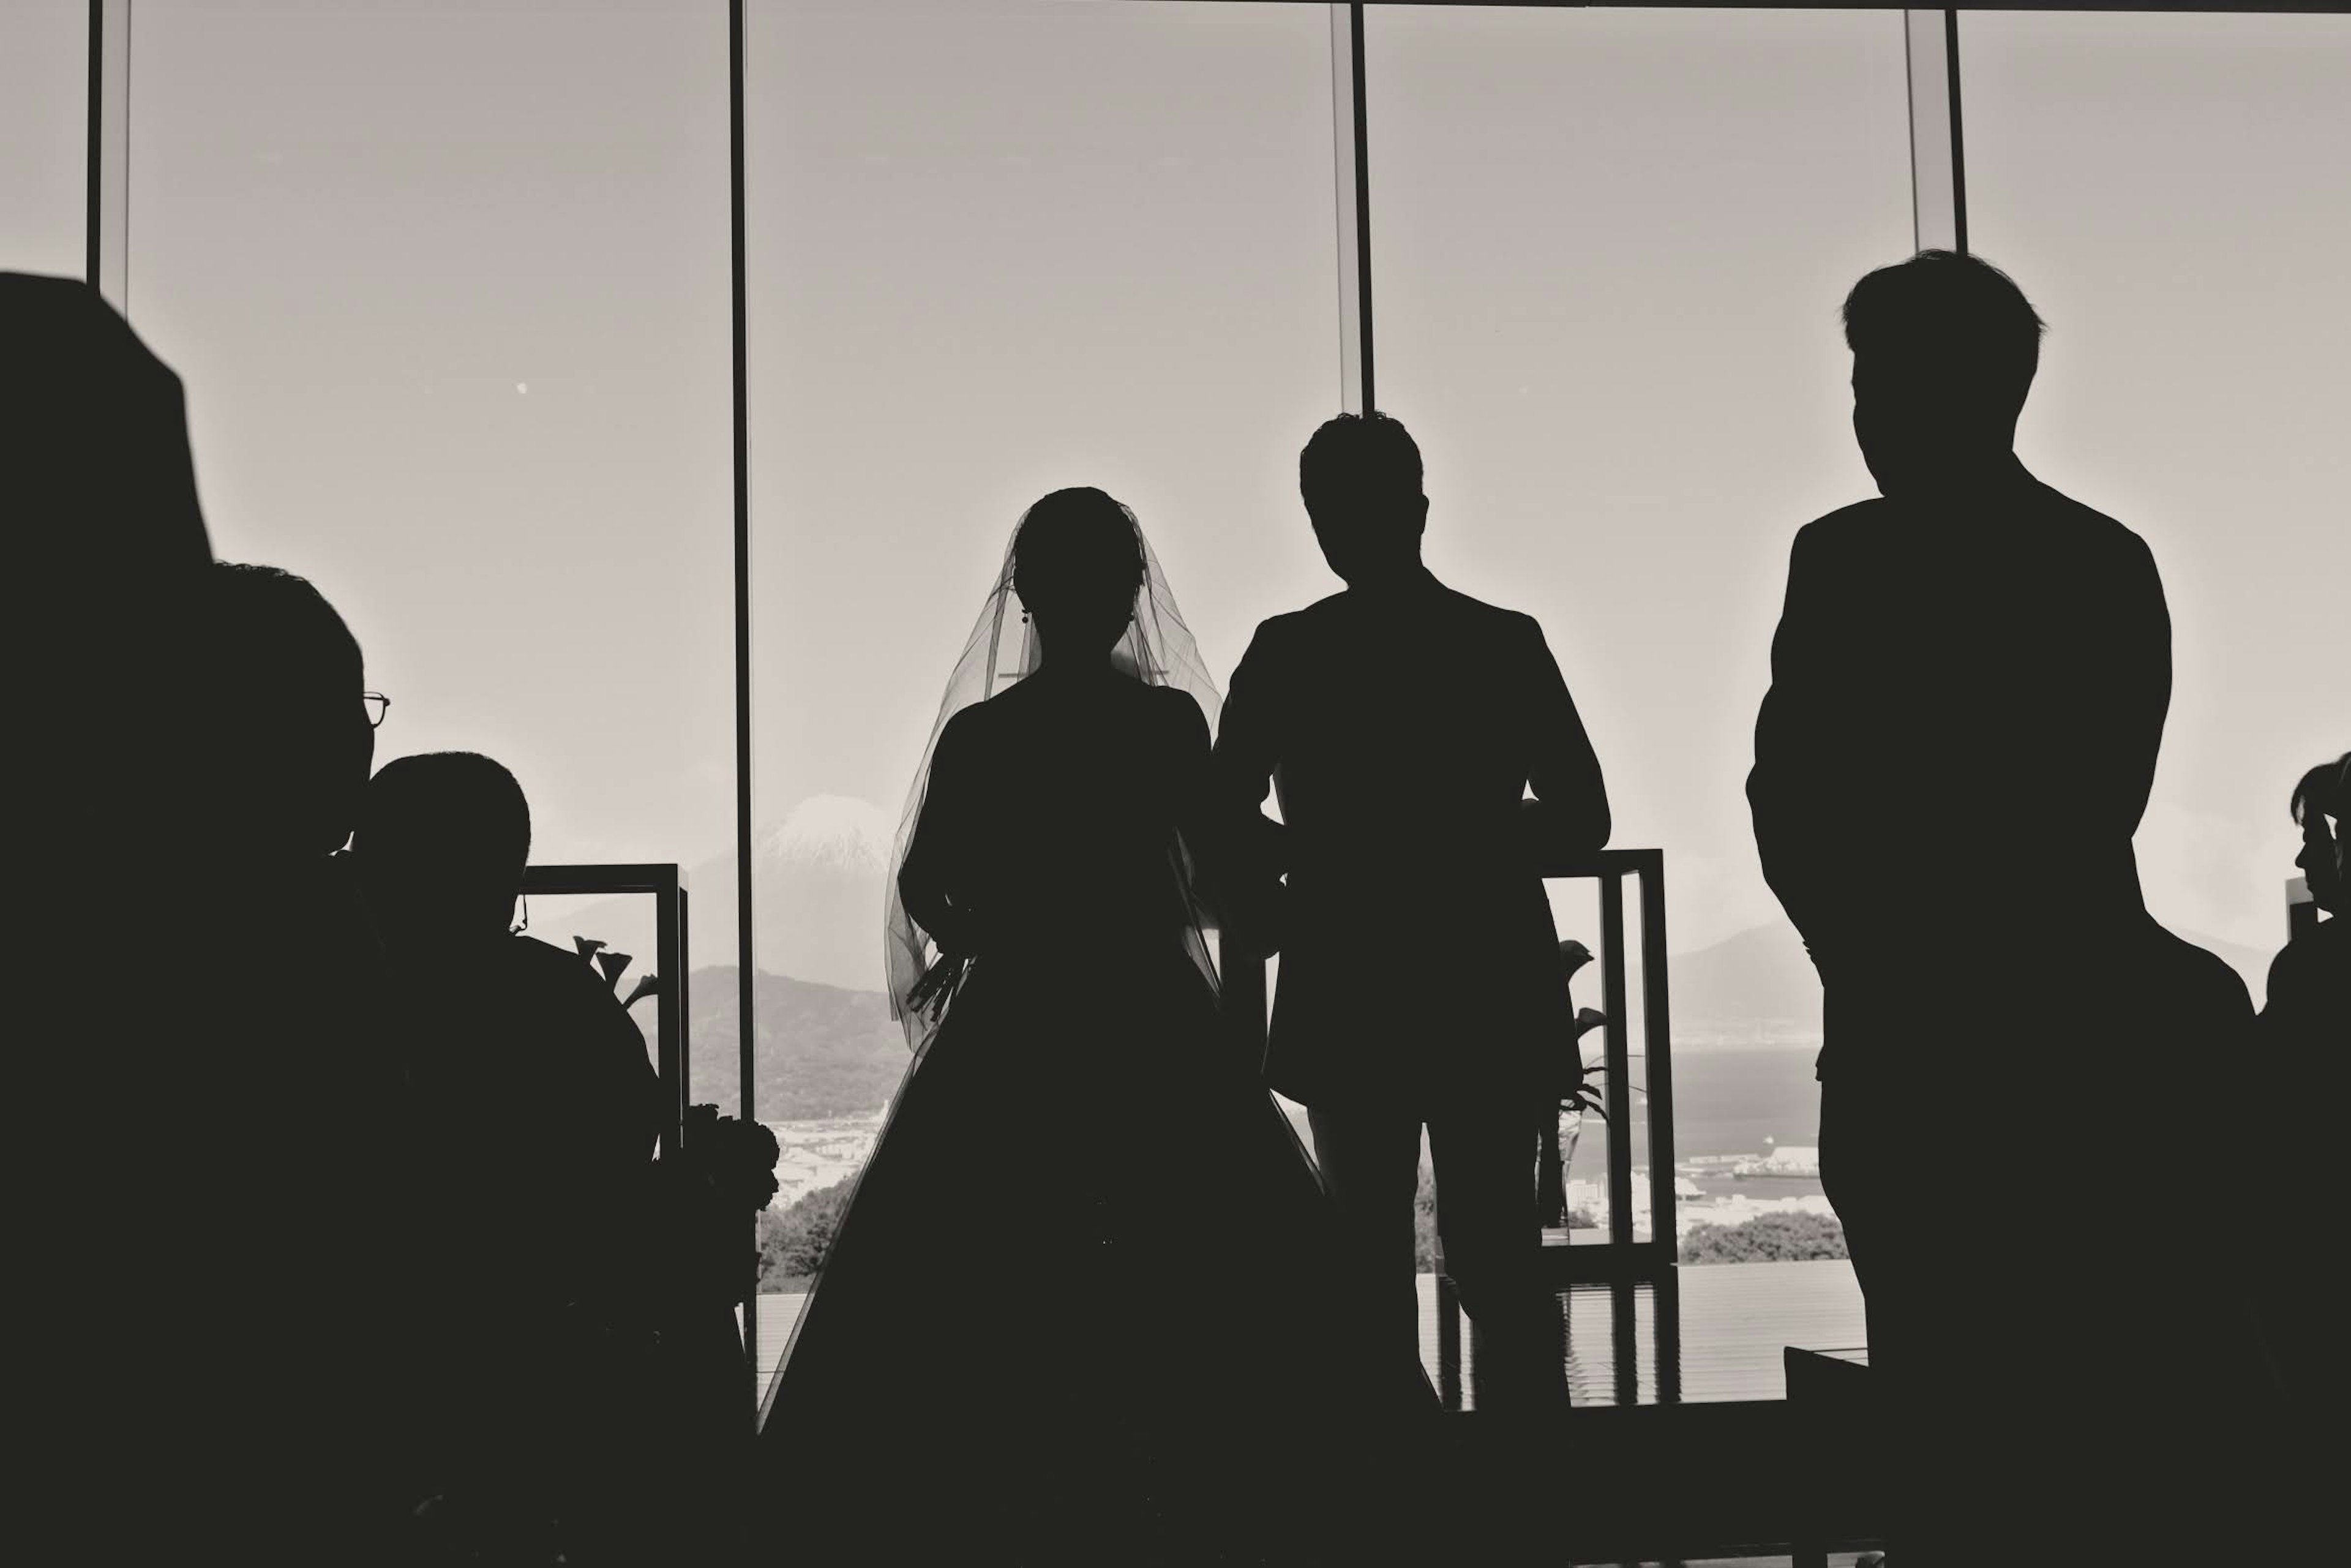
(1786, 1160)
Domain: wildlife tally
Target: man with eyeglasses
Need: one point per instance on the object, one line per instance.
(282, 1237)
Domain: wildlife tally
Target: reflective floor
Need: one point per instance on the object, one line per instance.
(1725, 1328)
(1717, 1333)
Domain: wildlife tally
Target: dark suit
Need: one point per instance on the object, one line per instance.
(1967, 697)
(1420, 980)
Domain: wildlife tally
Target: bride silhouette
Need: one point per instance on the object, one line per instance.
(1087, 1281)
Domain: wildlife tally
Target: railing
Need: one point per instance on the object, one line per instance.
(1622, 1258)
(659, 882)
(1622, 1261)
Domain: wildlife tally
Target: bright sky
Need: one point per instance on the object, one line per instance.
(449, 288)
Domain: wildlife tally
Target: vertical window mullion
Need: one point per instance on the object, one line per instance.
(107, 264)
(1351, 174)
(1939, 199)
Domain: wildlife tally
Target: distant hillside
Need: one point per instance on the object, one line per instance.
(1760, 983)
(817, 885)
(824, 1050)
(1758, 976)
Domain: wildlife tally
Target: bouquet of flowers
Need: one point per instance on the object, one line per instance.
(929, 997)
(735, 1158)
(721, 1174)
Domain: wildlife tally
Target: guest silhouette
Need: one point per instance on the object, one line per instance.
(106, 544)
(1401, 724)
(1969, 687)
(282, 1086)
(2309, 1007)
(99, 473)
(533, 1113)
(2303, 1038)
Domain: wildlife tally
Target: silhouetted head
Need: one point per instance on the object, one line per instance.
(1077, 565)
(1360, 477)
(93, 440)
(280, 742)
(441, 843)
(1944, 348)
(2317, 805)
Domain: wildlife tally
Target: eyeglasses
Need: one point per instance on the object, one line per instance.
(377, 706)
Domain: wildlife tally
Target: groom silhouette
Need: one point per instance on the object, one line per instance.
(1968, 686)
(1400, 724)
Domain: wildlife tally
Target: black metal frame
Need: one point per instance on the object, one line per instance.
(1361, 126)
(660, 882)
(1621, 1263)
(93, 190)
(1958, 140)
(746, 1006)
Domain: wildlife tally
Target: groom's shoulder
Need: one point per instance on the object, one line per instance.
(1329, 606)
(1294, 627)
(1843, 528)
(1496, 623)
(2091, 531)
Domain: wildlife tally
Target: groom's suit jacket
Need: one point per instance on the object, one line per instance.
(1967, 698)
(1419, 961)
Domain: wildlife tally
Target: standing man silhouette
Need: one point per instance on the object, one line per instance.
(1401, 725)
(1969, 687)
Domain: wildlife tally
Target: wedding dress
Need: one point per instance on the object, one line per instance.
(1086, 1288)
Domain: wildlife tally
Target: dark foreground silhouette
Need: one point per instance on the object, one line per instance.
(334, 1193)
(106, 538)
(290, 1361)
(1401, 725)
(1969, 688)
(2302, 1070)
(532, 1112)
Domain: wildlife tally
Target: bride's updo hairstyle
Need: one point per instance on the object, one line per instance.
(1077, 565)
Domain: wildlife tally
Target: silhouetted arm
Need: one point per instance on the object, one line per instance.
(1205, 829)
(1569, 816)
(1246, 846)
(2123, 728)
(930, 882)
(1785, 788)
(1242, 771)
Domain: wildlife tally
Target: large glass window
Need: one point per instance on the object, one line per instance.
(1609, 250)
(449, 292)
(2169, 190)
(995, 250)
(43, 136)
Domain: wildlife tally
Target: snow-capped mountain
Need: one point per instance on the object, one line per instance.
(818, 883)
(817, 879)
(837, 832)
